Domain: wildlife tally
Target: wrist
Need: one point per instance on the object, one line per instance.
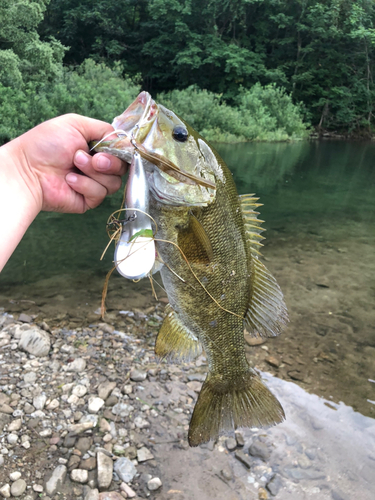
(20, 198)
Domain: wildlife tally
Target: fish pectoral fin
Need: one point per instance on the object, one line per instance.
(227, 405)
(174, 340)
(267, 314)
(195, 243)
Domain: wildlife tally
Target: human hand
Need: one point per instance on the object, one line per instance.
(61, 175)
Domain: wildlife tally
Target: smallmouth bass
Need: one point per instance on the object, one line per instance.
(207, 243)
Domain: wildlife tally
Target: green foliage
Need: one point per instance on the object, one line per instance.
(92, 90)
(261, 114)
(23, 56)
(320, 51)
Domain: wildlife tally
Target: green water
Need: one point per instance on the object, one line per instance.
(296, 182)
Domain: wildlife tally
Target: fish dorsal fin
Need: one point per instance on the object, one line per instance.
(267, 313)
(195, 243)
(174, 341)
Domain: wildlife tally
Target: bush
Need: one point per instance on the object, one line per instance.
(92, 90)
(261, 114)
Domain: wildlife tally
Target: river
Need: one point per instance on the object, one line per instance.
(319, 208)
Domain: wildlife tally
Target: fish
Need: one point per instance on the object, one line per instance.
(208, 241)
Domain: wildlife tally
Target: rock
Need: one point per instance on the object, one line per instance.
(304, 474)
(141, 423)
(79, 391)
(144, 454)
(18, 488)
(104, 425)
(259, 450)
(130, 493)
(79, 476)
(195, 386)
(274, 485)
(122, 409)
(56, 480)
(226, 474)
(1, 460)
(52, 405)
(262, 494)
(74, 460)
(125, 469)
(12, 438)
(76, 429)
(84, 444)
(78, 365)
(138, 376)
(296, 375)
(105, 389)
(254, 340)
(88, 463)
(95, 404)
(110, 495)
(39, 401)
(15, 475)
(231, 444)
(25, 318)
(4, 408)
(15, 425)
(92, 495)
(35, 341)
(154, 484)
(30, 377)
(271, 360)
(38, 488)
(239, 438)
(5, 491)
(240, 455)
(105, 470)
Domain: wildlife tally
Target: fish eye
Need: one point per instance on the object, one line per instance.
(180, 133)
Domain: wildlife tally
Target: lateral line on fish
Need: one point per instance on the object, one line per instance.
(196, 277)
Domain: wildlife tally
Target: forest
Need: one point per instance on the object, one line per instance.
(237, 70)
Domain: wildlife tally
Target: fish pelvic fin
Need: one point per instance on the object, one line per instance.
(174, 341)
(267, 314)
(227, 405)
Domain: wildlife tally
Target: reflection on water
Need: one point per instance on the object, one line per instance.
(323, 450)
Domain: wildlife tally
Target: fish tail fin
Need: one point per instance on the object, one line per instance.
(224, 406)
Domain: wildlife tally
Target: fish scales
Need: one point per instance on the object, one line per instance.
(207, 243)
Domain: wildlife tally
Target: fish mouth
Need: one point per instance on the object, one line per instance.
(135, 122)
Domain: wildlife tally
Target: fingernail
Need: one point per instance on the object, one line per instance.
(81, 158)
(104, 163)
(71, 178)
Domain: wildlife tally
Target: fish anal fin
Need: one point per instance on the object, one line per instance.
(195, 243)
(174, 341)
(227, 405)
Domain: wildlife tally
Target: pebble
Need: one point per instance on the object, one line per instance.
(5, 491)
(274, 485)
(104, 470)
(25, 318)
(95, 404)
(242, 457)
(271, 360)
(12, 438)
(154, 484)
(240, 439)
(18, 488)
(141, 423)
(125, 469)
(138, 376)
(262, 494)
(143, 454)
(259, 450)
(130, 493)
(38, 488)
(56, 480)
(92, 494)
(79, 476)
(110, 495)
(39, 401)
(79, 391)
(35, 341)
(14, 476)
(122, 409)
(105, 389)
(77, 365)
(231, 444)
(15, 425)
